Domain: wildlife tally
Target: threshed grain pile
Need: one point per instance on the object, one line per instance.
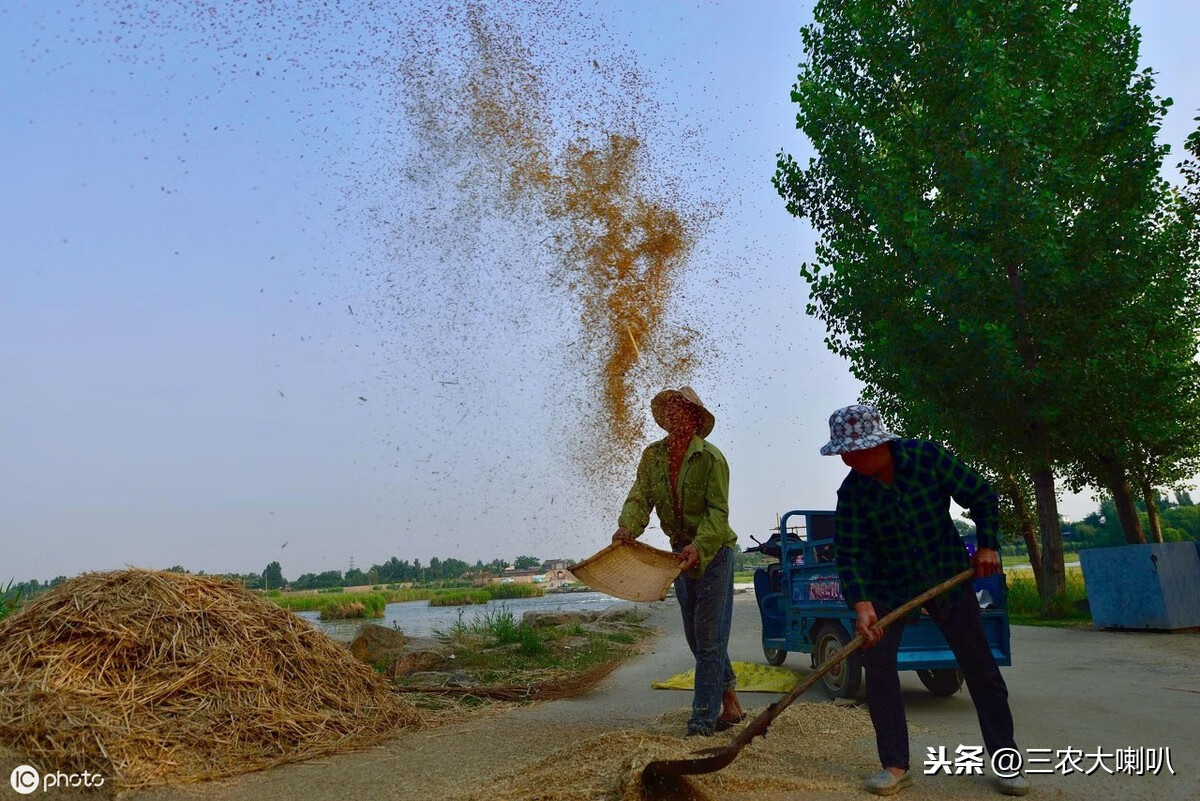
(811, 747)
(154, 678)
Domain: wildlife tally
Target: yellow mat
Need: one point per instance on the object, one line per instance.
(751, 678)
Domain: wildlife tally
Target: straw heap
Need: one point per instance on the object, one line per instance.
(152, 678)
(811, 748)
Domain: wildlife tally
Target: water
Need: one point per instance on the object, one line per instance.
(419, 619)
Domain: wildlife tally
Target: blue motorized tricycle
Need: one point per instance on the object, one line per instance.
(802, 609)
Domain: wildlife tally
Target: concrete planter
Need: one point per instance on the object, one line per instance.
(1152, 586)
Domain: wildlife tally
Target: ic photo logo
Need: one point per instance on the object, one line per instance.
(24, 779)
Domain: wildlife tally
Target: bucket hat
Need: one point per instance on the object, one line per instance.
(658, 407)
(855, 428)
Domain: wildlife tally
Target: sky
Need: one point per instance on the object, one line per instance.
(230, 333)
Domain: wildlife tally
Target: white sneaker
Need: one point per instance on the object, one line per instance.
(1013, 785)
(887, 783)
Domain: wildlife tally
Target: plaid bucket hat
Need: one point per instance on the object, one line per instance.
(855, 428)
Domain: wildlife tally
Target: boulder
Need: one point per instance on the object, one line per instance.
(546, 619)
(623, 613)
(418, 657)
(376, 643)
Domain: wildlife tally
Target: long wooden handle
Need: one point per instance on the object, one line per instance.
(759, 725)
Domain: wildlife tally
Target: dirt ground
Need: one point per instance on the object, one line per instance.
(1069, 688)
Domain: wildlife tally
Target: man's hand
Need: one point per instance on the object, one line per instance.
(622, 535)
(689, 557)
(986, 562)
(866, 619)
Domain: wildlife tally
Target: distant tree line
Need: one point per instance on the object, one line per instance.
(441, 572)
(1180, 520)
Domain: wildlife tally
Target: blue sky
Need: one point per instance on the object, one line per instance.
(216, 349)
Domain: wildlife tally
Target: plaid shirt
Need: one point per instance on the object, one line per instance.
(893, 543)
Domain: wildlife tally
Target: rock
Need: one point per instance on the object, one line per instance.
(546, 619)
(623, 613)
(460, 679)
(376, 643)
(415, 661)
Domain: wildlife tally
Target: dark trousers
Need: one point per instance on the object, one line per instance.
(958, 618)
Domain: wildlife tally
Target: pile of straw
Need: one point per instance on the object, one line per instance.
(810, 748)
(154, 678)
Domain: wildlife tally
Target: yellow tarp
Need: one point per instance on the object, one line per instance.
(751, 677)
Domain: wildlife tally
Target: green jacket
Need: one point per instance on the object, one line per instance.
(703, 496)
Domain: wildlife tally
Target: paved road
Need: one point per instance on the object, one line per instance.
(1069, 688)
(1075, 688)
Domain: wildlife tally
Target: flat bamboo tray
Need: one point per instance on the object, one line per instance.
(629, 570)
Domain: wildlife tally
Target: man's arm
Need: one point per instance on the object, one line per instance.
(971, 490)
(852, 565)
(852, 554)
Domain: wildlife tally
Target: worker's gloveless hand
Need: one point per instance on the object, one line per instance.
(689, 557)
(986, 562)
(866, 619)
(622, 535)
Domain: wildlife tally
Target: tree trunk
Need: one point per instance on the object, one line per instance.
(1028, 529)
(1054, 573)
(1131, 524)
(1150, 497)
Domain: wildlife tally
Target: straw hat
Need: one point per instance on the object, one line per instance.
(629, 570)
(855, 428)
(658, 408)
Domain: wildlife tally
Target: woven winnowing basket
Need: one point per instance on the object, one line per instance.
(629, 570)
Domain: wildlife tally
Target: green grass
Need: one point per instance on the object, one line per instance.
(502, 591)
(1025, 605)
(744, 577)
(339, 605)
(355, 605)
(1022, 560)
(10, 600)
(499, 627)
(460, 598)
(494, 647)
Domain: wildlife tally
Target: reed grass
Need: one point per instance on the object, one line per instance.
(505, 591)
(460, 598)
(1025, 605)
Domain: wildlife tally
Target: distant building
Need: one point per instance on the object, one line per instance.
(519, 577)
(556, 573)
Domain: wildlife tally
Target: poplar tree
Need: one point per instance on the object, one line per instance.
(987, 193)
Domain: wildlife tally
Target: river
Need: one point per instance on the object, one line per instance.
(419, 619)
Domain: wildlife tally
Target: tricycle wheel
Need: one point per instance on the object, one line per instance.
(775, 656)
(844, 680)
(942, 683)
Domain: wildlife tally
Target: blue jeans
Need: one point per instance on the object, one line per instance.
(707, 607)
